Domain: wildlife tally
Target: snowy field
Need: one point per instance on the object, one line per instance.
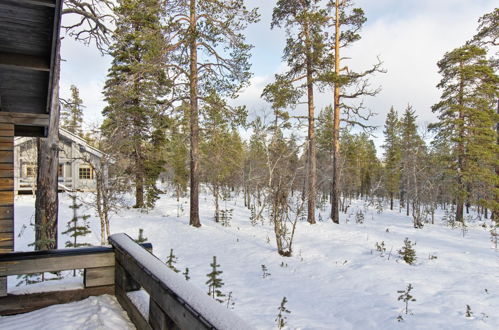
(335, 279)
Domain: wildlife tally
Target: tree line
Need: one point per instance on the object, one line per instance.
(176, 66)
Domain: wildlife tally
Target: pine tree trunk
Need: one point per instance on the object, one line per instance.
(194, 126)
(139, 190)
(47, 199)
(391, 201)
(312, 161)
(217, 207)
(335, 189)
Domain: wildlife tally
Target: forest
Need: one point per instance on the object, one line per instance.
(172, 137)
(176, 66)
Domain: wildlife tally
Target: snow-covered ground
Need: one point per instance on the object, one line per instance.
(335, 279)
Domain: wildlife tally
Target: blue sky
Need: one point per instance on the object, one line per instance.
(410, 36)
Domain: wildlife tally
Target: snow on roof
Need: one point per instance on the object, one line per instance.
(219, 316)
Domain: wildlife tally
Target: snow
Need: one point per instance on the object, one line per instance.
(103, 312)
(335, 279)
(215, 313)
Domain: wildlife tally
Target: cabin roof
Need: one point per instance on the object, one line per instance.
(67, 135)
(29, 30)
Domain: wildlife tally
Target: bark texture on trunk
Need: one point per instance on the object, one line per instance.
(47, 202)
(312, 161)
(194, 125)
(335, 187)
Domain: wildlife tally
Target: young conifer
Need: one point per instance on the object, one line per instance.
(171, 261)
(215, 282)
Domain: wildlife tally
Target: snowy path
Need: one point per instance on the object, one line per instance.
(101, 312)
(335, 279)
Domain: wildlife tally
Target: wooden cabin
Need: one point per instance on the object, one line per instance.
(77, 160)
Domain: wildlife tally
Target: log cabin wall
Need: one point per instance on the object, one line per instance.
(6, 193)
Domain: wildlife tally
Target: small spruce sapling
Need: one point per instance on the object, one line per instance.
(186, 274)
(380, 247)
(215, 282)
(281, 318)
(141, 238)
(406, 297)
(171, 261)
(265, 271)
(468, 313)
(230, 301)
(407, 253)
(78, 226)
(359, 217)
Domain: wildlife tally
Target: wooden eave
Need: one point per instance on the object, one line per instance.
(29, 31)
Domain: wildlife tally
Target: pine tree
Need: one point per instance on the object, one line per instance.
(222, 157)
(392, 154)
(171, 261)
(281, 318)
(207, 56)
(467, 115)
(411, 164)
(134, 90)
(304, 22)
(347, 22)
(407, 252)
(78, 226)
(215, 282)
(72, 112)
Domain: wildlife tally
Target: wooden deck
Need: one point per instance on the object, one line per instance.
(126, 266)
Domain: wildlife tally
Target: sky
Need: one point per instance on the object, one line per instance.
(409, 36)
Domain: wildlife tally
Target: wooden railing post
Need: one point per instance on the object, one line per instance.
(6, 194)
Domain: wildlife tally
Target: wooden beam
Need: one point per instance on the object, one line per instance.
(17, 304)
(24, 61)
(98, 276)
(24, 119)
(19, 263)
(46, 3)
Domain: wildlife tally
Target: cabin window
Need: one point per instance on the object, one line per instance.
(30, 171)
(85, 173)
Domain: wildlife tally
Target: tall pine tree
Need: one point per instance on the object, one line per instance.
(72, 112)
(207, 55)
(134, 91)
(392, 154)
(467, 115)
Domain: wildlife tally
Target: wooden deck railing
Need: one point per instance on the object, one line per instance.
(173, 302)
(98, 277)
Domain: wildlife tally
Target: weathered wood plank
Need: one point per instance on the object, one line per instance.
(6, 146)
(158, 319)
(6, 226)
(6, 198)
(24, 61)
(98, 276)
(7, 132)
(7, 156)
(6, 171)
(3, 286)
(6, 126)
(6, 212)
(6, 184)
(7, 244)
(25, 118)
(17, 304)
(133, 313)
(52, 264)
(6, 139)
